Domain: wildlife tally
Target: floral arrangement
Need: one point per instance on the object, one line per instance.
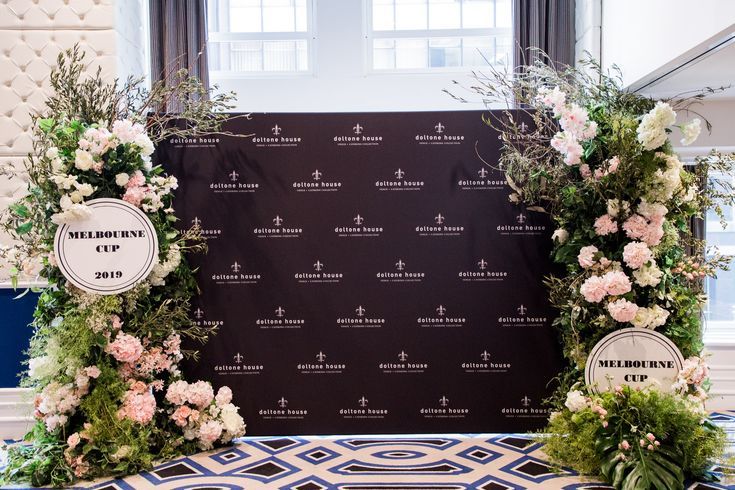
(110, 397)
(599, 161)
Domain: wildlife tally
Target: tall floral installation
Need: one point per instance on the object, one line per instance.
(600, 163)
(109, 395)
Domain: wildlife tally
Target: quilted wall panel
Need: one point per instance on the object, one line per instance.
(32, 34)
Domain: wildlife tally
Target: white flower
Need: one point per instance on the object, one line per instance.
(232, 421)
(76, 197)
(41, 367)
(163, 269)
(652, 129)
(83, 160)
(145, 144)
(64, 182)
(84, 189)
(126, 131)
(652, 317)
(690, 132)
(560, 235)
(121, 179)
(648, 275)
(615, 206)
(71, 211)
(576, 401)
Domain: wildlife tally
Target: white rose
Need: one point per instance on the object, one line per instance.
(121, 179)
(145, 144)
(65, 202)
(560, 235)
(576, 401)
(76, 197)
(83, 160)
(84, 189)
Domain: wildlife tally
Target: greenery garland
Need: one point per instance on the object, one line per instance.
(110, 398)
(599, 161)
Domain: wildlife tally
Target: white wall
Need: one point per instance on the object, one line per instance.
(642, 35)
(340, 82)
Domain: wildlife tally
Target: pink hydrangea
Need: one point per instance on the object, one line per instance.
(635, 226)
(126, 131)
(586, 257)
(125, 348)
(653, 234)
(224, 396)
(177, 392)
(636, 254)
(200, 394)
(605, 225)
(138, 407)
(137, 179)
(593, 289)
(616, 283)
(209, 432)
(622, 310)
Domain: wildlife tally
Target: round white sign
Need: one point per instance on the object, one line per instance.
(111, 251)
(635, 357)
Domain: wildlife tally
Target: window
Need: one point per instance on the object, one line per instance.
(431, 35)
(720, 313)
(259, 37)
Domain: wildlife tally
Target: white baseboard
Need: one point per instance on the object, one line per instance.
(16, 412)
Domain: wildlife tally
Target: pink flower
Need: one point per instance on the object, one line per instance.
(224, 396)
(138, 387)
(135, 195)
(181, 415)
(613, 164)
(567, 145)
(635, 226)
(138, 407)
(605, 225)
(177, 392)
(200, 394)
(209, 432)
(622, 310)
(125, 348)
(625, 445)
(586, 257)
(650, 437)
(593, 289)
(137, 179)
(116, 323)
(636, 254)
(92, 371)
(616, 283)
(653, 234)
(585, 171)
(126, 131)
(73, 440)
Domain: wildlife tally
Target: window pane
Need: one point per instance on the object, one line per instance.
(411, 53)
(278, 16)
(444, 14)
(383, 19)
(279, 56)
(246, 56)
(721, 291)
(411, 14)
(503, 13)
(243, 16)
(301, 16)
(477, 51)
(478, 14)
(384, 54)
(445, 52)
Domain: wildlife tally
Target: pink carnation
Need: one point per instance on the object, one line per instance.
(635, 226)
(616, 283)
(137, 179)
(636, 254)
(593, 289)
(586, 257)
(622, 310)
(125, 348)
(605, 225)
(138, 407)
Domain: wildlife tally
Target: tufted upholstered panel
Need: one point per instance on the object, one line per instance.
(32, 34)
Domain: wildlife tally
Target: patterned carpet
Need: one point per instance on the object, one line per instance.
(411, 462)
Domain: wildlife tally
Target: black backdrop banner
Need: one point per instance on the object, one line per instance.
(367, 274)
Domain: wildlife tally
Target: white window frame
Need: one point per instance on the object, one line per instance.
(369, 35)
(309, 35)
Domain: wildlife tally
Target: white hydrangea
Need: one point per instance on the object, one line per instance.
(690, 132)
(145, 144)
(233, 423)
(41, 367)
(651, 209)
(652, 129)
(648, 275)
(666, 182)
(163, 269)
(652, 317)
(576, 401)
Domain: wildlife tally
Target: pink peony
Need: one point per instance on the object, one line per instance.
(586, 257)
(125, 348)
(593, 289)
(622, 310)
(616, 283)
(605, 225)
(636, 254)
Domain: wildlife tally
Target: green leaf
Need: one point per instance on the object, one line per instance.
(46, 124)
(24, 228)
(19, 210)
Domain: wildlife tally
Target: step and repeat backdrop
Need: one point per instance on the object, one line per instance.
(367, 274)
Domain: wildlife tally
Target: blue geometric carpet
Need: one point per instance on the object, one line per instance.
(412, 462)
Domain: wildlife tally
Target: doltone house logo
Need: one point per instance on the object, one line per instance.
(403, 364)
(401, 272)
(237, 364)
(279, 319)
(483, 180)
(363, 410)
(278, 228)
(319, 274)
(358, 136)
(440, 318)
(482, 272)
(359, 228)
(522, 317)
(440, 228)
(207, 231)
(321, 365)
(194, 142)
(521, 226)
(237, 274)
(232, 182)
(283, 409)
(525, 408)
(277, 137)
(360, 319)
(439, 134)
(400, 181)
(484, 363)
(202, 319)
(444, 409)
(317, 182)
